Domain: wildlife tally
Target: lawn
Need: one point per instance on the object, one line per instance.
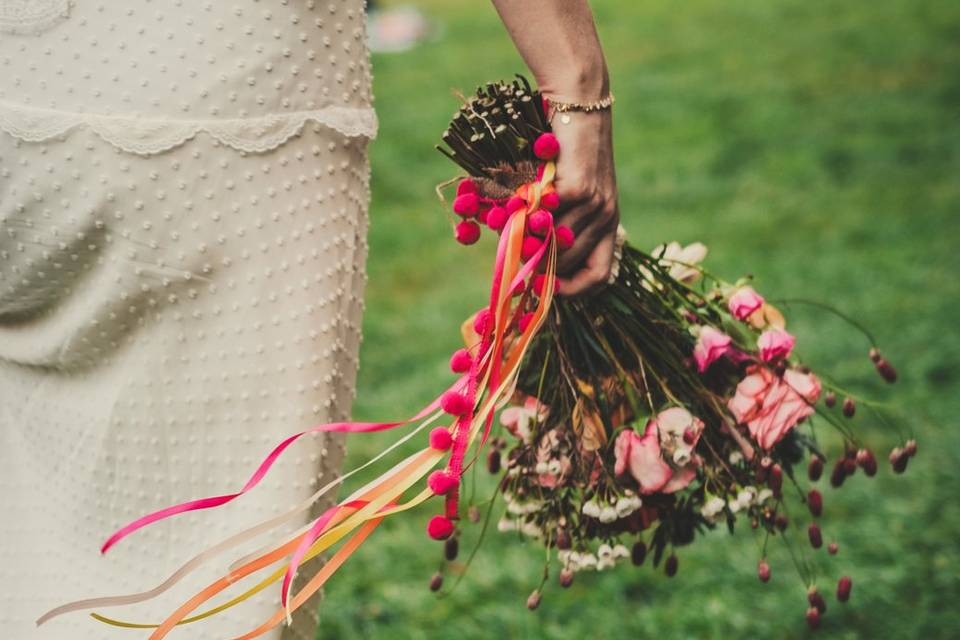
(815, 145)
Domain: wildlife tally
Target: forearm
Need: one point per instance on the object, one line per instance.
(558, 41)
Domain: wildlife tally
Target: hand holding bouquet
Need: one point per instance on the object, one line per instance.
(668, 403)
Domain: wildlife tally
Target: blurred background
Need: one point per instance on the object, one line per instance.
(815, 145)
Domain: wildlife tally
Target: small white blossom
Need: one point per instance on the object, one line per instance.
(604, 551)
(764, 495)
(541, 467)
(592, 509)
(736, 457)
(531, 529)
(553, 467)
(605, 563)
(627, 505)
(608, 514)
(506, 524)
(620, 551)
(712, 508)
(588, 560)
(681, 456)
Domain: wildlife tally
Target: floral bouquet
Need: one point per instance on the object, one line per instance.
(629, 421)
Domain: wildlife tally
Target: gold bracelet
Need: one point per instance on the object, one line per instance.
(564, 107)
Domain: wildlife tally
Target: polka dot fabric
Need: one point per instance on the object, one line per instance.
(168, 314)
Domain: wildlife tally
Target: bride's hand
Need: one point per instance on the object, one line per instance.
(587, 187)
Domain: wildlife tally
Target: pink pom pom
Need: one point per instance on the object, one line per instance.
(515, 204)
(519, 288)
(540, 222)
(530, 247)
(546, 147)
(466, 205)
(439, 528)
(565, 237)
(442, 482)
(497, 218)
(525, 321)
(468, 232)
(540, 280)
(466, 186)
(482, 216)
(481, 322)
(456, 404)
(550, 200)
(460, 361)
(440, 439)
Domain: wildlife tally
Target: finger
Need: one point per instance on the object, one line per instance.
(595, 271)
(575, 257)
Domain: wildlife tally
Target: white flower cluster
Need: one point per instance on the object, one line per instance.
(606, 557)
(746, 498)
(607, 513)
(552, 467)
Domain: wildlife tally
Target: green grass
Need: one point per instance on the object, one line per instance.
(815, 145)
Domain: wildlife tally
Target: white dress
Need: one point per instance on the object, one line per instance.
(183, 212)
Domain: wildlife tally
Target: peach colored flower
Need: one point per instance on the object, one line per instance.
(775, 344)
(744, 302)
(772, 405)
(712, 344)
(640, 455)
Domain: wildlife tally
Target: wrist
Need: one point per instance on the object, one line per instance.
(586, 81)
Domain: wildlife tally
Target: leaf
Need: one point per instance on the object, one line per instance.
(588, 426)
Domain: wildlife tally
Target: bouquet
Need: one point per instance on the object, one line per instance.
(621, 425)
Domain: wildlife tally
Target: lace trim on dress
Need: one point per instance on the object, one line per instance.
(31, 16)
(149, 136)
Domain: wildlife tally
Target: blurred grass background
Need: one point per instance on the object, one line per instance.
(816, 145)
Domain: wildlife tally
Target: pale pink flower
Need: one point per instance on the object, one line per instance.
(771, 405)
(775, 344)
(518, 419)
(681, 260)
(679, 432)
(744, 302)
(640, 455)
(712, 344)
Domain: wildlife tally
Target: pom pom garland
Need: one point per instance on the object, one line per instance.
(440, 528)
(455, 403)
(515, 204)
(466, 186)
(466, 205)
(442, 482)
(550, 201)
(440, 438)
(540, 280)
(540, 222)
(468, 232)
(497, 218)
(482, 322)
(524, 321)
(546, 146)
(565, 237)
(531, 245)
(460, 361)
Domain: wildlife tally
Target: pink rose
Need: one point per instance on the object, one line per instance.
(712, 344)
(672, 433)
(775, 344)
(771, 405)
(744, 302)
(640, 455)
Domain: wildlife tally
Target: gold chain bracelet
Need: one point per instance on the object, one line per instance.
(564, 107)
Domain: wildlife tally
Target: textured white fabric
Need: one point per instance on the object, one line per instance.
(183, 212)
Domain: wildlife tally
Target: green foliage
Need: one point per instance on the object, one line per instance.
(816, 145)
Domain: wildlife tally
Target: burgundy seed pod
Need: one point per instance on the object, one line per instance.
(816, 538)
(886, 371)
(815, 468)
(689, 436)
(867, 462)
(849, 407)
(875, 354)
(436, 581)
(762, 474)
(816, 600)
(450, 548)
(830, 399)
(638, 553)
(671, 566)
(832, 548)
(815, 503)
(850, 466)
(910, 448)
(900, 463)
(763, 571)
(493, 461)
(775, 481)
(563, 539)
(473, 513)
(781, 522)
(566, 578)
(813, 618)
(534, 600)
(844, 585)
(838, 475)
